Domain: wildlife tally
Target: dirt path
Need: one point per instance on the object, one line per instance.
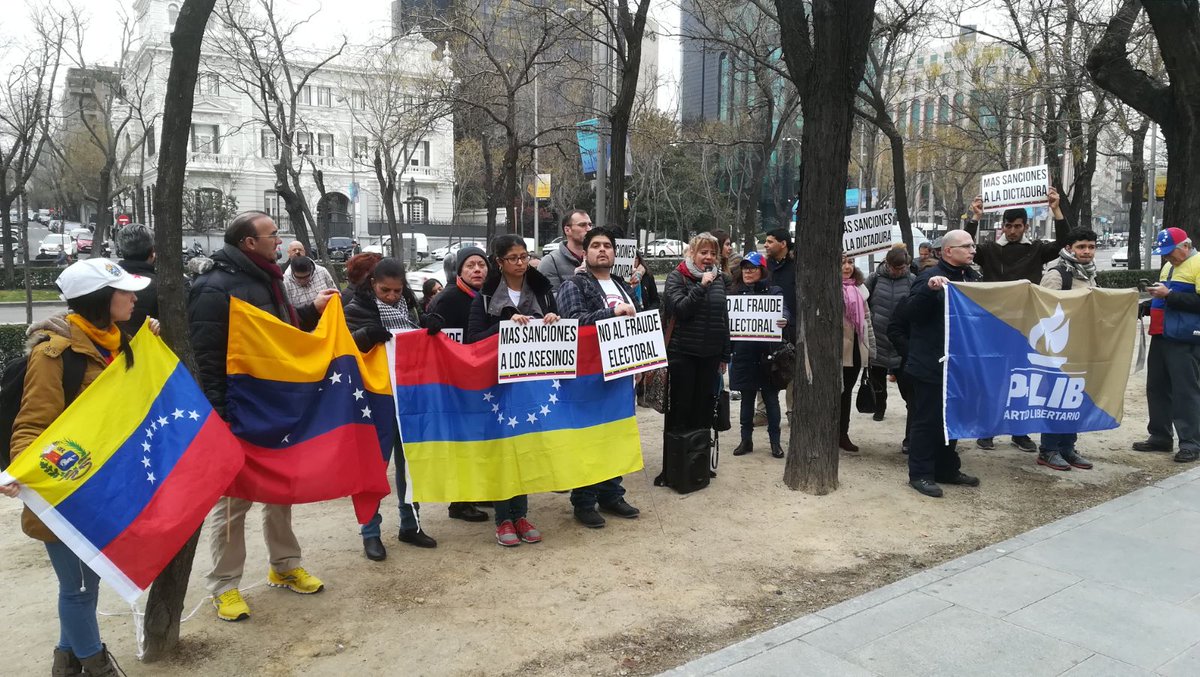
(695, 573)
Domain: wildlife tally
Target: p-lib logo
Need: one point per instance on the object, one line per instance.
(1045, 385)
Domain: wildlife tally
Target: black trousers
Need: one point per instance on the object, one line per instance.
(879, 385)
(929, 456)
(693, 393)
(1173, 392)
(849, 380)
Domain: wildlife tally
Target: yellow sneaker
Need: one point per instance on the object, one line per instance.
(296, 580)
(230, 606)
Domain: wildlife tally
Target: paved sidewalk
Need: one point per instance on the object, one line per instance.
(1114, 591)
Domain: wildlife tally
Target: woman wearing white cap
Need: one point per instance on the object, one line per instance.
(99, 294)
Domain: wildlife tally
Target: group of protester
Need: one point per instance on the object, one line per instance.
(892, 327)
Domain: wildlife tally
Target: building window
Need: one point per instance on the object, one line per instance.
(418, 210)
(929, 113)
(150, 141)
(723, 82)
(325, 145)
(358, 100)
(209, 83)
(274, 205)
(360, 150)
(268, 144)
(325, 97)
(944, 109)
(914, 121)
(420, 155)
(959, 111)
(206, 139)
(172, 13)
(306, 95)
(304, 142)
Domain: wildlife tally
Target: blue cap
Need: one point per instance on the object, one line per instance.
(1168, 239)
(755, 259)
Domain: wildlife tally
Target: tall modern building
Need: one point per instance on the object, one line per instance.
(706, 78)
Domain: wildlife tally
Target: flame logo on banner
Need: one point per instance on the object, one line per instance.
(1055, 330)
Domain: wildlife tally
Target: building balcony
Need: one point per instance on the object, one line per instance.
(213, 161)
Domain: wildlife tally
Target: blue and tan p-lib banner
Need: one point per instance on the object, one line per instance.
(1023, 359)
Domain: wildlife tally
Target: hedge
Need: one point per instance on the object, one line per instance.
(41, 277)
(12, 342)
(1123, 279)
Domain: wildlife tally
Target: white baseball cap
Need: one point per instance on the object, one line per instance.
(84, 277)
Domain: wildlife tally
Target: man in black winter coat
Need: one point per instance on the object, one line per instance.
(454, 301)
(589, 296)
(930, 458)
(245, 268)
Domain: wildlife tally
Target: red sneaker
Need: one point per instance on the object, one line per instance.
(506, 534)
(528, 532)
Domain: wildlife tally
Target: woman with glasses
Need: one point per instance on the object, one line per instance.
(512, 291)
(858, 342)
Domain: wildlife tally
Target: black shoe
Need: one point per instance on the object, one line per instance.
(963, 479)
(621, 509)
(744, 448)
(467, 513)
(904, 447)
(1187, 456)
(374, 550)
(927, 487)
(1024, 443)
(417, 537)
(1075, 460)
(589, 518)
(985, 443)
(1151, 445)
(1052, 459)
(776, 450)
(878, 416)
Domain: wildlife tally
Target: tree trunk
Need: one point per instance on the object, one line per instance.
(104, 204)
(489, 170)
(387, 193)
(632, 29)
(6, 228)
(900, 183)
(165, 603)
(758, 173)
(827, 71)
(511, 155)
(1137, 173)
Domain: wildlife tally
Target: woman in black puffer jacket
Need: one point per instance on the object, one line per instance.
(699, 350)
(384, 303)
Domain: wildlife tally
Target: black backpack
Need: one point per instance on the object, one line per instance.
(12, 387)
(1067, 278)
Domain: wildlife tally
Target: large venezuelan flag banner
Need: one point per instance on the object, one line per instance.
(468, 438)
(128, 472)
(312, 412)
(1023, 359)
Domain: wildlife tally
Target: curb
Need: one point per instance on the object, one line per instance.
(36, 304)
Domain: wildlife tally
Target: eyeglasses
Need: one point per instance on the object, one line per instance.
(962, 246)
(516, 258)
(273, 236)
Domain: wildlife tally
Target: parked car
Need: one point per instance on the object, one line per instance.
(55, 225)
(551, 246)
(449, 250)
(439, 253)
(52, 244)
(340, 248)
(43, 216)
(416, 278)
(1120, 259)
(83, 242)
(665, 247)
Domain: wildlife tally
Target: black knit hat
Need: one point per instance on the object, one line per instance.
(465, 253)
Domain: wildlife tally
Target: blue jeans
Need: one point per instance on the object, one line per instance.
(78, 590)
(409, 512)
(607, 492)
(771, 401)
(512, 509)
(1059, 441)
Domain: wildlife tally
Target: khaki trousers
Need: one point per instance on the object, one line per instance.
(227, 540)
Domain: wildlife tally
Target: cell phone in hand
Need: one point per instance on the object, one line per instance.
(1143, 283)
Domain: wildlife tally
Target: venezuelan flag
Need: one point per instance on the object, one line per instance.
(128, 472)
(313, 413)
(468, 438)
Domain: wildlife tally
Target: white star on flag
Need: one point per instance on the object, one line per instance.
(495, 408)
(146, 446)
(487, 397)
(178, 413)
(195, 416)
(336, 378)
(145, 461)
(149, 433)
(512, 422)
(556, 384)
(153, 425)
(532, 418)
(358, 393)
(150, 478)
(500, 418)
(162, 420)
(545, 410)
(285, 439)
(553, 398)
(366, 412)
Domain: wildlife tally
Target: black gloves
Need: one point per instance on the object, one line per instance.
(377, 334)
(433, 322)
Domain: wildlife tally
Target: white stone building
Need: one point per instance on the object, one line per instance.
(232, 153)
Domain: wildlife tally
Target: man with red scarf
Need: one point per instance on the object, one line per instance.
(245, 268)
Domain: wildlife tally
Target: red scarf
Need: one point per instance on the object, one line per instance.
(274, 272)
(682, 267)
(466, 288)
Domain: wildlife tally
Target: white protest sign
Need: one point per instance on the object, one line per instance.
(755, 318)
(538, 351)
(631, 345)
(868, 232)
(626, 250)
(454, 334)
(1025, 187)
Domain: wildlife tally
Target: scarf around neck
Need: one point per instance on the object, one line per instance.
(466, 288)
(395, 317)
(1081, 271)
(275, 273)
(690, 269)
(855, 305)
(108, 339)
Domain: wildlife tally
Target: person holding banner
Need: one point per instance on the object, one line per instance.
(1016, 256)
(748, 367)
(931, 458)
(512, 291)
(589, 296)
(383, 304)
(99, 295)
(698, 347)
(858, 343)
